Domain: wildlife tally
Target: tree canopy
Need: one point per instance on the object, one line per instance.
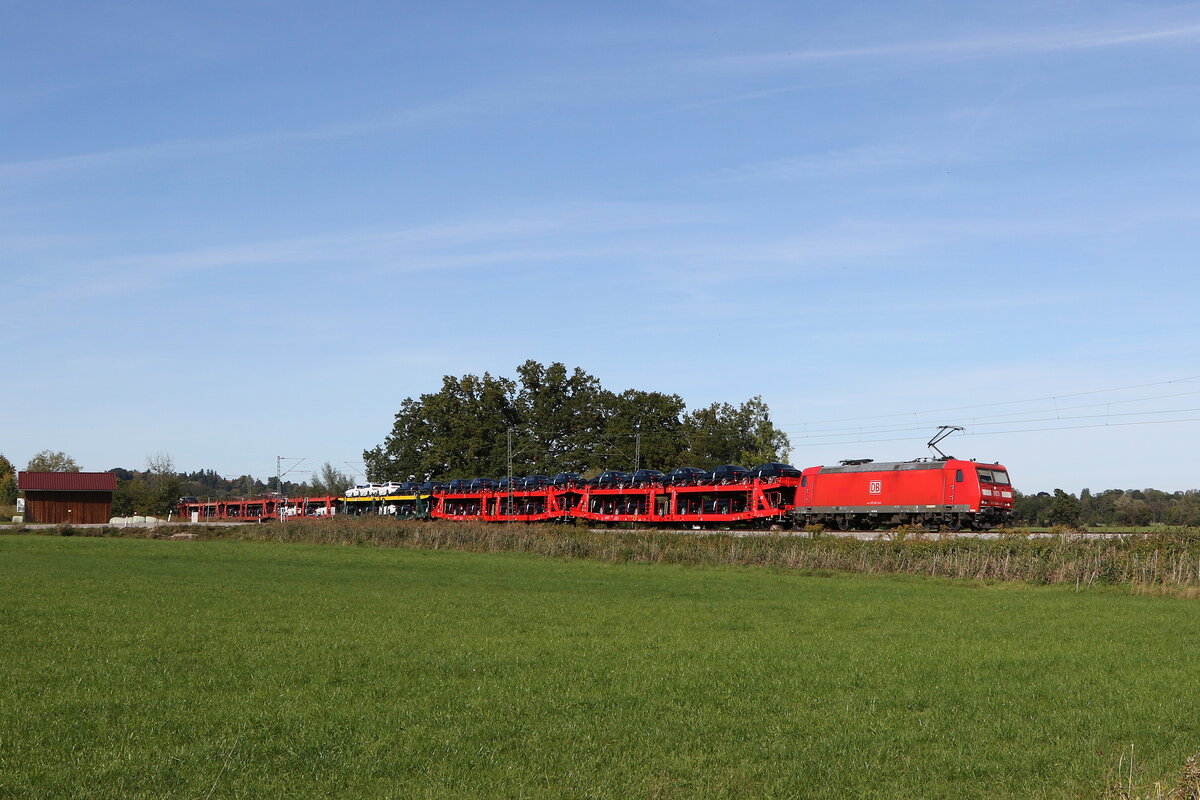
(52, 461)
(1124, 507)
(563, 420)
(328, 480)
(154, 491)
(8, 482)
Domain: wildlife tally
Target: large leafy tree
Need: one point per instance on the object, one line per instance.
(571, 423)
(8, 482)
(154, 491)
(727, 434)
(460, 430)
(1064, 509)
(329, 480)
(559, 419)
(646, 428)
(52, 461)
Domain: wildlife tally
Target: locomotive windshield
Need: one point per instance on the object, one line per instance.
(993, 476)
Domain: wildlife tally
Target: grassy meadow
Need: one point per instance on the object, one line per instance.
(1167, 561)
(138, 668)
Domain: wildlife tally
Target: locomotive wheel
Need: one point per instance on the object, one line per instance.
(845, 522)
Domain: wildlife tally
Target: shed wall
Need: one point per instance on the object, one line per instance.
(78, 507)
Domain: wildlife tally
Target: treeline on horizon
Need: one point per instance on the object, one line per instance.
(207, 483)
(1111, 507)
(156, 489)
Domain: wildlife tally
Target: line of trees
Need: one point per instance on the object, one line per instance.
(1112, 507)
(151, 492)
(562, 420)
(156, 489)
(208, 484)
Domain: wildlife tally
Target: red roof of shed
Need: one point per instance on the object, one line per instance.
(67, 481)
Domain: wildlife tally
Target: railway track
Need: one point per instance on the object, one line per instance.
(868, 535)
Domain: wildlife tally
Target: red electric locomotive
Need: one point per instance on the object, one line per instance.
(864, 495)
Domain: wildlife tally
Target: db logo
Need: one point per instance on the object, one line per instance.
(876, 487)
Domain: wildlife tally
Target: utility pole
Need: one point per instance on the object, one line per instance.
(509, 484)
(279, 487)
(637, 451)
(279, 473)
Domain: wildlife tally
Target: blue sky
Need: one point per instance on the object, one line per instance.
(231, 231)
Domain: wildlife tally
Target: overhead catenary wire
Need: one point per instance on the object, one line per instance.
(1001, 433)
(1044, 398)
(885, 428)
(1029, 420)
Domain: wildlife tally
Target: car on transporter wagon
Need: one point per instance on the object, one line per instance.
(727, 473)
(564, 480)
(610, 478)
(483, 485)
(686, 476)
(646, 477)
(774, 469)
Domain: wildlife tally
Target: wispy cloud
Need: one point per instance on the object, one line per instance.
(518, 236)
(124, 157)
(741, 97)
(1018, 42)
(832, 162)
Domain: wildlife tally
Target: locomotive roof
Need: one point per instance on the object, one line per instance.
(895, 466)
(884, 466)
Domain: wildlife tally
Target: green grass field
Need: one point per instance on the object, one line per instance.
(154, 669)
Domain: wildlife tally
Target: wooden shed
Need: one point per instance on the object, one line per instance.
(80, 497)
